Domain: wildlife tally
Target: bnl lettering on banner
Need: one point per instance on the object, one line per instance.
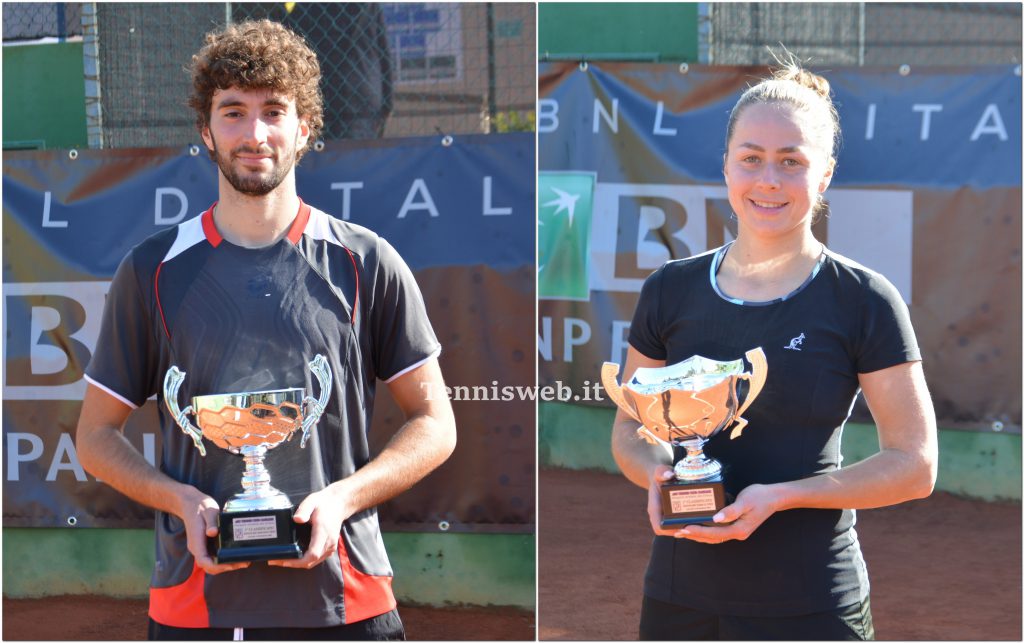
(989, 120)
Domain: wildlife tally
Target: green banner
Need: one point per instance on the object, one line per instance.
(564, 212)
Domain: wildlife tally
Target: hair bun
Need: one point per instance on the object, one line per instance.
(790, 83)
(799, 75)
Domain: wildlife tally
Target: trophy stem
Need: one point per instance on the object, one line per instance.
(257, 493)
(694, 448)
(696, 466)
(256, 479)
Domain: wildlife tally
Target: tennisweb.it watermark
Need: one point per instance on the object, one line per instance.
(494, 392)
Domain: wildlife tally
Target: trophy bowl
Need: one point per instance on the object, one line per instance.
(261, 418)
(255, 524)
(684, 405)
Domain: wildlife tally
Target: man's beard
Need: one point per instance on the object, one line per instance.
(250, 183)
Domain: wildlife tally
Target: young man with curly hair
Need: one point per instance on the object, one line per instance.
(240, 298)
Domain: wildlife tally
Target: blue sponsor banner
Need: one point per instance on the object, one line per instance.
(429, 199)
(934, 128)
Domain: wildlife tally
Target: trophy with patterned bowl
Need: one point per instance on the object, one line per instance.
(684, 405)
(255, 524)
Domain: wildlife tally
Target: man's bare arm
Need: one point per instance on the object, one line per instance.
(420, 445)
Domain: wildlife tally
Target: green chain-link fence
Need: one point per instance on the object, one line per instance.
(389, 69)
(863, 33)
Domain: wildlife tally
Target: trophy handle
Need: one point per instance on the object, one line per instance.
(649, 437)
(608, 372)
(322, 370)
(172, 383)
(757, 377)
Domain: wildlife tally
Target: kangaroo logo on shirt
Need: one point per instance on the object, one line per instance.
(794, 344)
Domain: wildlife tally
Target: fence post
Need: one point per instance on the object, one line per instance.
(91, 70)
(492, 101)
(861, 35)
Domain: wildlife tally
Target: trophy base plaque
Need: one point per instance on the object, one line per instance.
(266, 534)
(691, 503)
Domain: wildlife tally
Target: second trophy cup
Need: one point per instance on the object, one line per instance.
(684, 405)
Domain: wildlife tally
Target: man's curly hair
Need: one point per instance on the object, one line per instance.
(258, 54)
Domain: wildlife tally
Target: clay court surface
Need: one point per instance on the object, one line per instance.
(94, 618)
(943, 568)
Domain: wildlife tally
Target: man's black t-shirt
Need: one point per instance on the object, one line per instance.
(240, 319)
(844, 320)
